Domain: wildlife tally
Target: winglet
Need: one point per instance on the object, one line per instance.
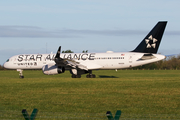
(58, 52)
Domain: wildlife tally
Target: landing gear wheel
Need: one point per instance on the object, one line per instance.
(91, 76)
(76, 76)
(21, 77)
(73, 76)
(87, 76)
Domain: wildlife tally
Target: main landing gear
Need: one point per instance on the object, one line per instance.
(76, 76)
(87, 76)
(90, 76)
(20, 73)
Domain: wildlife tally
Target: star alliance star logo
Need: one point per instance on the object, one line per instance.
(151, 42)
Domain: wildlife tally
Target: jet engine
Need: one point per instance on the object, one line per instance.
(51, 69)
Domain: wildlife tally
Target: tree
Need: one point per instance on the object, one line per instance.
(2, 68)
(84, 51)
(67, 51)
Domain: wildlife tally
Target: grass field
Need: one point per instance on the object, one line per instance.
(139, 94)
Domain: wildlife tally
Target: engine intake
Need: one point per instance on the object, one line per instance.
(52, 69)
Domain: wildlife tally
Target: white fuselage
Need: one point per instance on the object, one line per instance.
(92, 61)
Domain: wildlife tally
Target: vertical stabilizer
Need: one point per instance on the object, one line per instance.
(58, 52)
(151, 42)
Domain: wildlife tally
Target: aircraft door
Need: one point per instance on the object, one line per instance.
(130, 60)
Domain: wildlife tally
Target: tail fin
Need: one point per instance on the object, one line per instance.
(58, 52)
(151, 42)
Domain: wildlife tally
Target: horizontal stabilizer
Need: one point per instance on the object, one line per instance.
(147, 57)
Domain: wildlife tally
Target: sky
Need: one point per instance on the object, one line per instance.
(37, 26)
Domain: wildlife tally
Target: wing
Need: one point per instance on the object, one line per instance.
(66, 62)
(74, 64)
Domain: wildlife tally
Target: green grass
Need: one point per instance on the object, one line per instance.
(139, 94)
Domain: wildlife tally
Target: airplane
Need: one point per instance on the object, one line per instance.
(84, 63)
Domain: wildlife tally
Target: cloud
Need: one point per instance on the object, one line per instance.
(37, 32)
(173, 33)
(103, 32)
(29, 31)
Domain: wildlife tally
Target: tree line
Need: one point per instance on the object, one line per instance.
(2, 68)
(70, 51)
(170, 63)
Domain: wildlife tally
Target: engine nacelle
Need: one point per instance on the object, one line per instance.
(51, 69)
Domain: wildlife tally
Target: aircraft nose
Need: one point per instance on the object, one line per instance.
(6, 65)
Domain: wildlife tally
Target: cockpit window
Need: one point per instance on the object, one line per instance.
(7, 60)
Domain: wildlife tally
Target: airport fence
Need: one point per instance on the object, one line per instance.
(43, 115)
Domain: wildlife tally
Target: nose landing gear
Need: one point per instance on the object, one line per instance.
(20, 73)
